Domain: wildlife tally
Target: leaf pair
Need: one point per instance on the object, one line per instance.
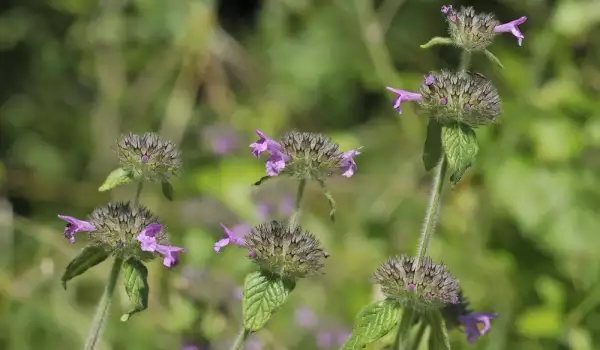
(457, 142)
(438, 40)
(122, 176)
(135, 276)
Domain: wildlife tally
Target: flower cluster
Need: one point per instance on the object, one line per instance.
(148, 156)
(450, 97)
(124, 231)
(416, 284)
(304, 156)
(476, 31)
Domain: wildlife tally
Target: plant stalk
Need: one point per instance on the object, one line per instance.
(295, 219)
(465, 60)
(241, 339)
(95, 333)
(433, 208)
(138, 193)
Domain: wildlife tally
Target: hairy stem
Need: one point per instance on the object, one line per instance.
(402, 335)
(241, 339)
(295, 219)
(138, 193)
(465, 60)
(433, 208)
(419, 336)
(99, 321)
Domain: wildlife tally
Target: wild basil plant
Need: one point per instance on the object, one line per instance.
(282, 250)
(127, 232)
(420, 293)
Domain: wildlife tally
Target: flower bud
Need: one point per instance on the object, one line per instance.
(148, 156)
(418, 285)
(285, 251)
(460, 97)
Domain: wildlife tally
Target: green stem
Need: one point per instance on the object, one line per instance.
(433, 208)
(241, 339)
(295, 219)
(465, 60)
(419, 336)
(99, 321)
(138, 193)
(402, 334)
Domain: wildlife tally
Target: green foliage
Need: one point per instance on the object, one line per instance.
(373, 322)
(460, 147)
(116, 178)
(438, 40)
(167, 190)
(263, 295)
(135, 279)
(89, 257)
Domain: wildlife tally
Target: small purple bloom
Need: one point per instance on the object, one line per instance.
(74, 226)
(148, 243)
(443, 100)
(275, 163)
(476, 324)
(221, 139)
(429, 80)
(512, 28)
(264, 144)
(449, 12)
(347, 163)
(145, 158)
(234, 236)
(305, 317)
(403, 96)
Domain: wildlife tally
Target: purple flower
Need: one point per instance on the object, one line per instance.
(347, 163)
(512, 27)
(476, 324)
(449, 12)
(276, 161)
(74, 226)
(234, 236)
(305, 317)
(429, 80)
(148, 243)
(221, 139)
(404, 96)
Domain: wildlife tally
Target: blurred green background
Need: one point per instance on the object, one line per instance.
(521, 231)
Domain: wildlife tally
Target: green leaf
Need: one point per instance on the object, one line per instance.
(493, 58)
(117, 177)
(263, 295)
(438, 40)
(373, 322)
(438, 337)
(167, 190)
(88, 258)
(432, 151)
(460, 146)
(136, 286)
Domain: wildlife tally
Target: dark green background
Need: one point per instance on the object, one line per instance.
(521, 232)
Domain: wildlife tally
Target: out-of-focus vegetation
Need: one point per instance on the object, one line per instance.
(521, 231)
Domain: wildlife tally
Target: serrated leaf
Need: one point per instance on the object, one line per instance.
(373, 322)
(135, 279)
(438, 40)
(432, 150)
(459, 143)
(167, 190)
(263, 295)
(493, 58)
(116, 178)
(87, 258)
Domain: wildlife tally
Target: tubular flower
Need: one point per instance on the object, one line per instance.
(513, 28)
(74, 226)
(403, 96)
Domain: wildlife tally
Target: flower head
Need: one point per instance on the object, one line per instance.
(304, 156)
(74, 226)
(418, 285)
(126, 231)
(460, 97)
(234, 236)
(284, 250)
(148, 156)
(403, 96)
(513, 28)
